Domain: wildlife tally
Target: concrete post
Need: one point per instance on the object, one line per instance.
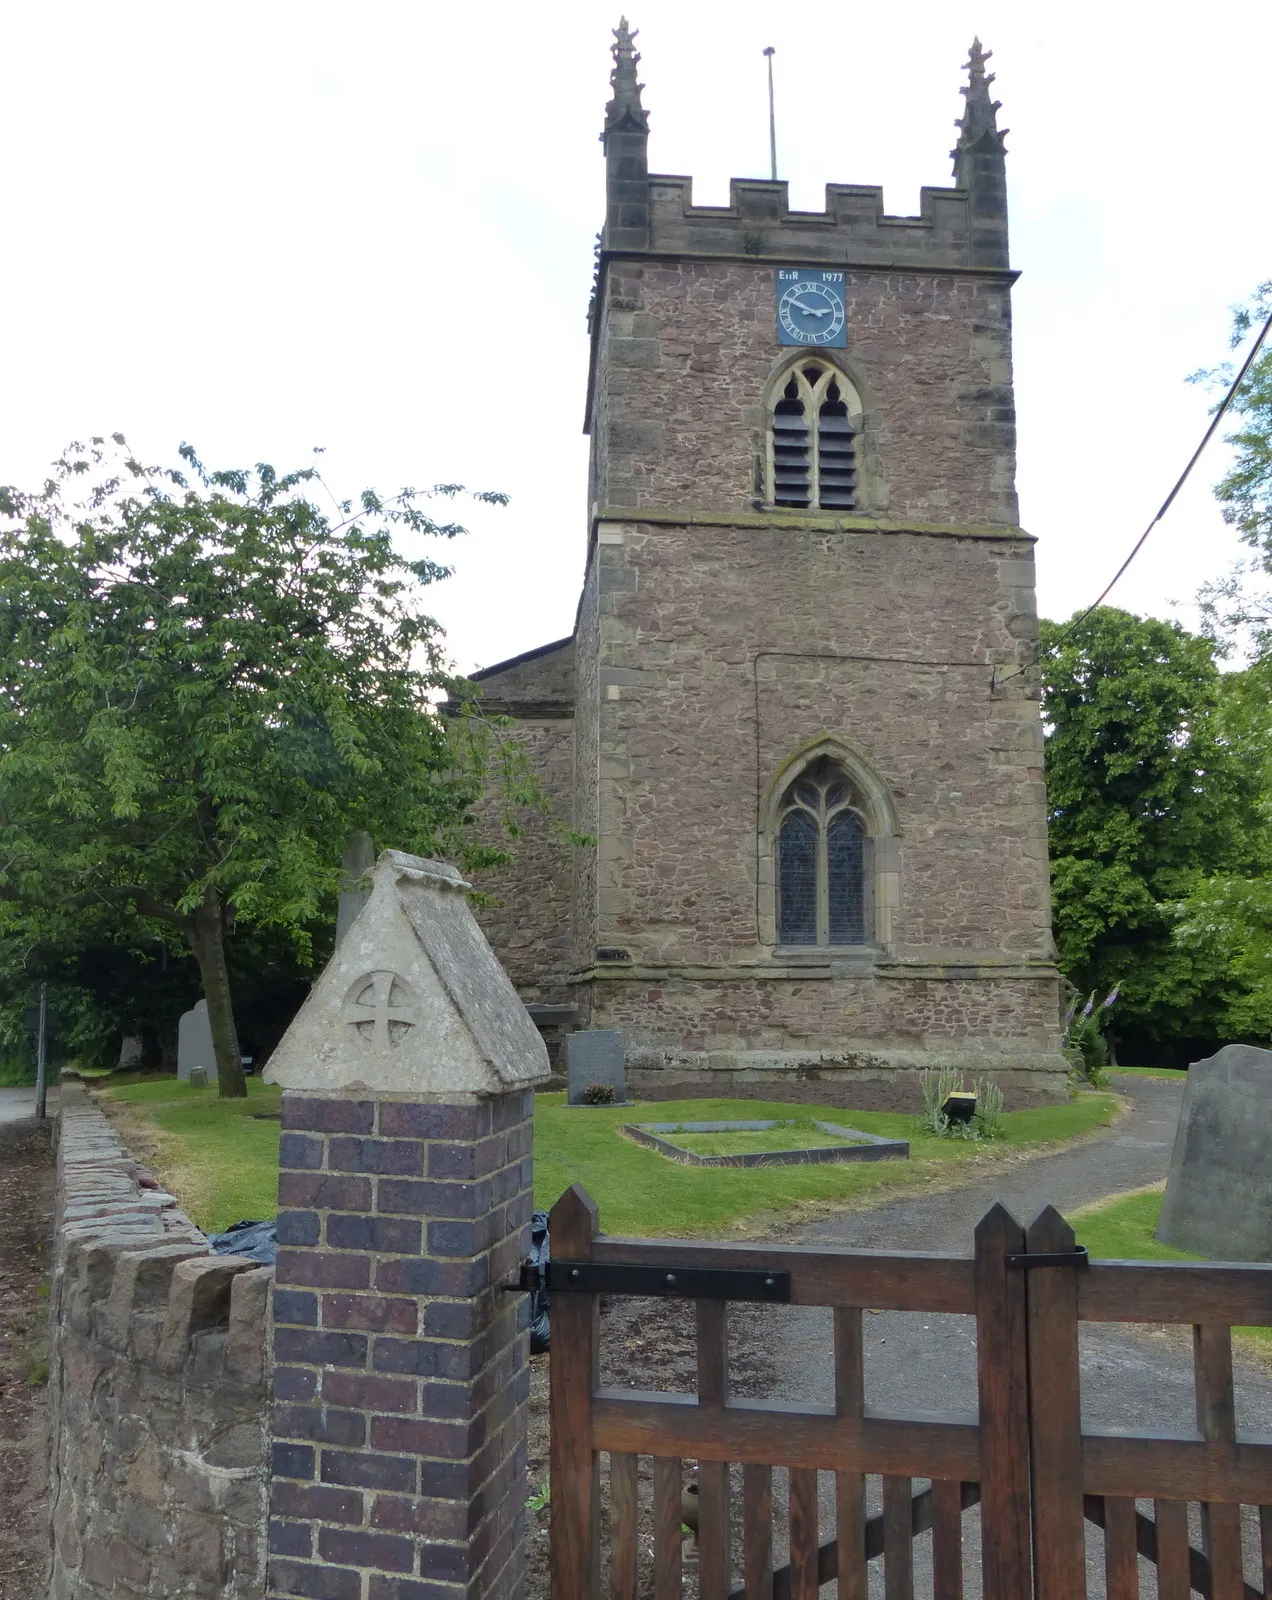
(401, 1376)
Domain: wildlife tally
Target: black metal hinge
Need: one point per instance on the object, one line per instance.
(1052, 1258)
(687, 1283)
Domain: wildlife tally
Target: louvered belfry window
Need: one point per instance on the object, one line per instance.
(814, 444)
(822, 858)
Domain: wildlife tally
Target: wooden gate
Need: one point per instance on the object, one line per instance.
(1022, 1455)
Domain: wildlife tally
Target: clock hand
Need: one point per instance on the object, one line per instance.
(811, 311)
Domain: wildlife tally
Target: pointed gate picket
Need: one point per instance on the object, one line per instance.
(1022, 1456)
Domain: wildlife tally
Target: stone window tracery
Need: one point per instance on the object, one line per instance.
(823, 860)
(812, 441)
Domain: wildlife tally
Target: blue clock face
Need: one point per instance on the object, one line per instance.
(810, 307)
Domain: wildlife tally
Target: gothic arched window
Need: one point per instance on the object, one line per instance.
(823, 861)
(813, 451)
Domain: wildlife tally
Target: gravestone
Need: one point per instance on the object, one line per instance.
(194, 1043)
(1219, 1194)
(355, 881)
(594, 1055)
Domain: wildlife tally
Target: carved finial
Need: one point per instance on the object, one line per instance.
(980, 113)
(625, 111)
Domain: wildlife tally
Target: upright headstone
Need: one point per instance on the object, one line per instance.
(404, 1195)
(594, 1056)
(194, 1043)
(355, 881)
(1219, 1194)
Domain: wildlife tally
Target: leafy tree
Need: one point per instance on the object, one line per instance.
(207, 680)
(1240, 603)
(1148, 795)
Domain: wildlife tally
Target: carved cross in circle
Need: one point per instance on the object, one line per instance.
(381, 1009)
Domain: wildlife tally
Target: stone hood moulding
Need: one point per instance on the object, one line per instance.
(413, 1001)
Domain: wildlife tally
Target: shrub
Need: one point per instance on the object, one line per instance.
(986, 1124)
(599, 1094)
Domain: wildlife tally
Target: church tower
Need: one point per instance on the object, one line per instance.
(797, 717)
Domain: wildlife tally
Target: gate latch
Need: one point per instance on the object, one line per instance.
(1076, 1257)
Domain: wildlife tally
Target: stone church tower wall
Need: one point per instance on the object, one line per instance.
(729, 641)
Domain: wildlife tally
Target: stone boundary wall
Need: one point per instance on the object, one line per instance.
(158, 1381)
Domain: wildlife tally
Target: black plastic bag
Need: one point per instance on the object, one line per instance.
(256, 1240)
(540, 1254)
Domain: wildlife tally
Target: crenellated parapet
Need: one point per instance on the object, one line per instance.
(158, 1385)
(959, 228)
(853, 230)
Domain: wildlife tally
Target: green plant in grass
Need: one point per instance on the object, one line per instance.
(938, 1086)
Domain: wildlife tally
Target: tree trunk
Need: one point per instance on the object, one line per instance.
(205, 930)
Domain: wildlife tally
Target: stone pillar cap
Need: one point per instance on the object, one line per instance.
(413, 1001)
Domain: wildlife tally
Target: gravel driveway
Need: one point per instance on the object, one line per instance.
(1131, 1377)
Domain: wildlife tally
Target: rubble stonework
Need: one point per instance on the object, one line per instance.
(157, 1387)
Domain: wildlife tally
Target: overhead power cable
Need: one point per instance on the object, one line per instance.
(1166, 503)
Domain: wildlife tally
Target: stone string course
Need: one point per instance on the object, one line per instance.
(401, 1377)
(158, 1387)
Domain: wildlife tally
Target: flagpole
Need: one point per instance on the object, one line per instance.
(772, 118)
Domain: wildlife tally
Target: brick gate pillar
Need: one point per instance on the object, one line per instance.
(404, 1197)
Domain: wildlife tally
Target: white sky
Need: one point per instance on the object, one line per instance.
(272, 225)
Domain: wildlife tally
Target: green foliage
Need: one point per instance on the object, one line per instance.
(207, 681)
(1226, 919)
(986, 1123)
(599, 1094)
(1245, 490)
(1085, 1043)
(1148, 795)
(17, 1067)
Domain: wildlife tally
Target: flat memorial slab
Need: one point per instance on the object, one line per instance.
(844, 1144)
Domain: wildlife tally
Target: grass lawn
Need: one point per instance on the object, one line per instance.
(221, 1161)
(788, 1135)
(1122, 1228)
(1171, 1074)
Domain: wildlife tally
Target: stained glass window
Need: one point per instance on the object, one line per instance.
(822, 862)
(797, 876)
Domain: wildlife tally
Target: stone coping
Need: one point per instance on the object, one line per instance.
(876, 1146)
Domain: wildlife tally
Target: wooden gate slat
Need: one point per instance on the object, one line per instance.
(668, 1516)
(803, 1530)
(622, 1478)
(947, 1540)
(1172, 1550)
(1002, 1387)
(574, 1532)
(1121, 1558)
(1059, 1544)
(898, 1540)
(1217, 1423)
(757, 1532)
(850, 1487)
(713, 1476)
